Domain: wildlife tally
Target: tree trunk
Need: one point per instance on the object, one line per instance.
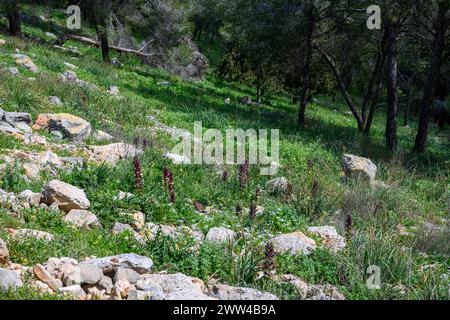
(408, 108)
(309, 29)
(102, 34)
(14, 21)
(433, 75)
(391, 85)
(341, 85)
(375, 79)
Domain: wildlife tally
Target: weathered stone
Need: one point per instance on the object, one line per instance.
(137, 218)
(50, 35)
(300, 285)
(114, 91)
(4, 253)
(225, 292)
(72, 127)
(155, 294)
(13, 117)
(27, 63)
(70, 66)
(31, 198)
(113, 153)
(220, 235)
(24, 234)
(331, 239)
(173, 287)
(118, 228)
(126, 274)
(106, 284)
(74, 291)
(279, 186)
(65, 195)
(82, 219)
(100, 135)
(71, 274)
(138, 263)
(294, 243)
(121, 289)
(2, 42)
(359, 168)
(90, 274)
(9, 280)
(151, 230)
(54, 100)
(40, 286)
(13, 71)
(41, 273)
(324, 292)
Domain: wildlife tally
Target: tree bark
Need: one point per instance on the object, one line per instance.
(102, 34)
(14, 21)
(433, 75)
(309, 29)
(391, 85)
(341, 85)
(374, 82)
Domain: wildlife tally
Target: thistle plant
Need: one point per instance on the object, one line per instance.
(269, 259)
(138, 180)
(238, 210)
(168, 184)
(252, 211)
(348, 226)
(243, 174)
(225, 175)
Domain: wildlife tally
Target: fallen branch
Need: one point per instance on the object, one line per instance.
(97, 44)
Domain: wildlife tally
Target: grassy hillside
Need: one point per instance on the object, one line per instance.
(413, 189)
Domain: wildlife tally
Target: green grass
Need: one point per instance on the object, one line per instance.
(418, 185)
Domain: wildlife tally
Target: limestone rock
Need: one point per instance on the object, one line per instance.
(74, 291)
(359, 168)
(324, 292)
(54, 100)
(4, 253)
(300, 285)
(24, 234)
(114, 91)
(72, 127)
(331, 239)
(82, 219)
(106, 284)
(294, 243)
(278, 186)
(65, 195)
(121, 289)
(126, 274)
(220, 235)
(9, 280)
(90, 274)
(113, 153)
(137, 218)
(173, 287)
(41, 273)
(102, 136)
(138, 263)
(225, 292)
(27, 63)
